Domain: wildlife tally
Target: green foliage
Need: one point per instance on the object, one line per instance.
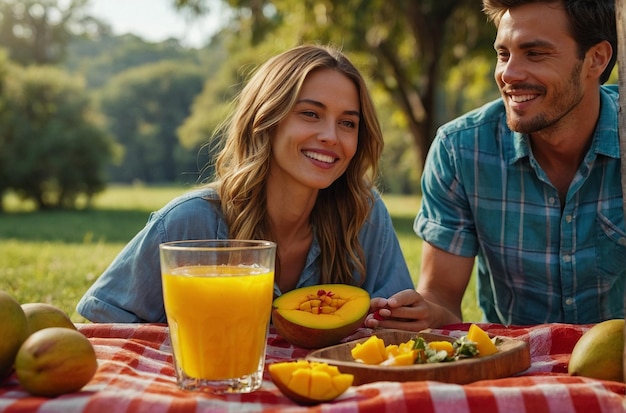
(398, 166)
(38, 31)
(215, 102)
(469, 85)
(99, 58)
(53, 145)
(145, 105)
(408, 48)
(54, 257)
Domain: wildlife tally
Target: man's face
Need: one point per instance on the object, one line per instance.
(538, 69)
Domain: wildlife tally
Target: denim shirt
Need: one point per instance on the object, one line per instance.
(539, 261)
(130, 289)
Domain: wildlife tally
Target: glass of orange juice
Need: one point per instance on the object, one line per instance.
(218, 300)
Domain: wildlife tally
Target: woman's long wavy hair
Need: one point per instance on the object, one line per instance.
(242, 166)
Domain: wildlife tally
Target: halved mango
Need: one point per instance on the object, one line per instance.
(309, 382)
(483, 342)
(320, 315)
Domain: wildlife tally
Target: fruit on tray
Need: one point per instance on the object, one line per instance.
(598, 352)
(446, 346)
(374, 351)
(309, 382)
(418, 351)
(484, 343)
(371, 351)
(14, 328)
(54, 361)
(321, 315)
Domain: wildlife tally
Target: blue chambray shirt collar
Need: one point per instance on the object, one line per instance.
(605, 139)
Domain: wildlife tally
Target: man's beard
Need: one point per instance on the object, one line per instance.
(566, 100)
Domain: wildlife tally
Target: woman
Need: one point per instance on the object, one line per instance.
(298, 167)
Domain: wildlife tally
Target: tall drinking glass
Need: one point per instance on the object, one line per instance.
(218, 299)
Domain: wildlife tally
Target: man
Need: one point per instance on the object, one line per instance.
(530, 183)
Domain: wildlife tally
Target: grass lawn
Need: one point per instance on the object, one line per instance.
(54, 256)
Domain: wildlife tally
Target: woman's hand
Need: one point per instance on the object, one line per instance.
(405, 310)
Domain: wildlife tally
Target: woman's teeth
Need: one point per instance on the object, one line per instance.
(319, 157)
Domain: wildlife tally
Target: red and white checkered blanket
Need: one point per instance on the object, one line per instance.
(135, 374)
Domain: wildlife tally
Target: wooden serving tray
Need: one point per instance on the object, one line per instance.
(513, 357)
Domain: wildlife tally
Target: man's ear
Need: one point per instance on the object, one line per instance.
(598, 57)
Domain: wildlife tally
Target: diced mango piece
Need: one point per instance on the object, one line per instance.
(327, 368)
(342, 382)
(281, 371)
(371, 351)
(323, 302)
(323, 385)
(300, 382)
(442, 345)
(483, 341)
(405, 359)
(392, 350)
(406, 347)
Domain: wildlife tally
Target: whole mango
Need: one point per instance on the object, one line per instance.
(599, 352)
(55, 361)
(13, 332)
(42, 315)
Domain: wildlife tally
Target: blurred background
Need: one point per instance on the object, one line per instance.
(96, 92)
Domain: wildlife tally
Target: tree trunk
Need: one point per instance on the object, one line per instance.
(620, 9)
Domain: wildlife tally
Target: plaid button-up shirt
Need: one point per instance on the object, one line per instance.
(485, 195)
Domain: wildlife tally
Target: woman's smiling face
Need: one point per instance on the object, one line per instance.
(314, 144)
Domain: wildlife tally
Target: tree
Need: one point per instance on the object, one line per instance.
(620, 11)
(5, 105)
(407, 46)
(38, 31)
(144, 107)
(101, 58)
(53, 146)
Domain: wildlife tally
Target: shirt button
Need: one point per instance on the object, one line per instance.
(568, 218)
(622, 241)
(567, 258)
(569, 301)
(551, 200)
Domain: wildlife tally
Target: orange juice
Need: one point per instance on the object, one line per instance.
(218, 318)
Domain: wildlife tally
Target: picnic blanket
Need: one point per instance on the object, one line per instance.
(136, 374)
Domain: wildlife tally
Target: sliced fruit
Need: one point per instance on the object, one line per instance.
(483, 342)
(371, 351)
(442, 346)
(404, 359)
(321, 315)
(309, 382)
